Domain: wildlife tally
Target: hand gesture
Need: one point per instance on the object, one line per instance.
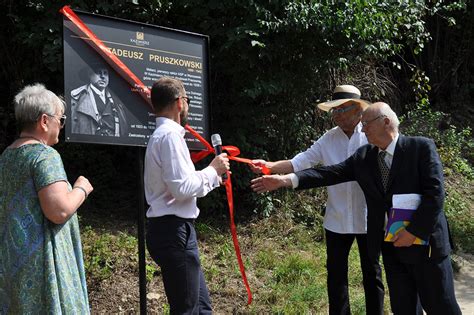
(257, 166)
(269, 183)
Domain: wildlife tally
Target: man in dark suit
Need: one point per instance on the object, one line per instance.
(393, 164)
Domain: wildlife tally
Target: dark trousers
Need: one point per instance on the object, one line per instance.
(430, 278)
(338, 247)
(172, 243)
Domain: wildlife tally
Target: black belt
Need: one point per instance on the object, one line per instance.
(170, 218)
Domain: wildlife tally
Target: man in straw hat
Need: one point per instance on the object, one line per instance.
(400, 173)
(346, 210)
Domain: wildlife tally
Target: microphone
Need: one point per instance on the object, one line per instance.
(217, 144)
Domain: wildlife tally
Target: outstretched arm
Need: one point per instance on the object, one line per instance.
(301, 161)
(278, 167)
(271, 182)
(308, 178)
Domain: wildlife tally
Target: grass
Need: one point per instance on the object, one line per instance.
(293, 271)
(284, 257)
(285, 265)
(105, 253)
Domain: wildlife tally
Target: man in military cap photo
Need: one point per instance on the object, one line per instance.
(94, 109)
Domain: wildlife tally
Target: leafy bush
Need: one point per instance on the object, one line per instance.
(271, 61)
(454, 146)
(461, 221)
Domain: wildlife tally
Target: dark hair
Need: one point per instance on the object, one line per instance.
(165, 91)
(87, 70)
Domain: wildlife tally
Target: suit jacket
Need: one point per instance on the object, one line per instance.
(416, 168)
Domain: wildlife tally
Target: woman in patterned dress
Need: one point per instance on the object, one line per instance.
(41, 263)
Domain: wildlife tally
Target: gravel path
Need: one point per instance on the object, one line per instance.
(464, 283)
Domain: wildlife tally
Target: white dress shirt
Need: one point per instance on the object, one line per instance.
(346, 209)
(100, 93)
(172, 184)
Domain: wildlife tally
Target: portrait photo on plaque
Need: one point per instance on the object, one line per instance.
(102, 106)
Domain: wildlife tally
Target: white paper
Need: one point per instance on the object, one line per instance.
(406, 201)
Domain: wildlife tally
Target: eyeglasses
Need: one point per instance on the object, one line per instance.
(61, 120)
(334, 111)
(365, 123)
(185, 98)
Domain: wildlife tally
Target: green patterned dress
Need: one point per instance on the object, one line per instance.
(41, 263)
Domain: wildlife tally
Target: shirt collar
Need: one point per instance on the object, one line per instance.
(170, 123)
(391, 147)
(97, 91)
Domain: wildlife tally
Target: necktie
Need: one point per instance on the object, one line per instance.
(384, 170)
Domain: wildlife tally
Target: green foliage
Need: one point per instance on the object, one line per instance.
(304, 207)
(278, 61)
(266, 258)
(454, 146)
(104, 253)
(293, 269)
(298, 278)
(297, 282)
(271, 61)
(421, 87)
(461, 220)
(151, 271)
(166, 309)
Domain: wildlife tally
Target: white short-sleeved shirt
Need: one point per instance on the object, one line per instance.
(346, 209)
(172, 184)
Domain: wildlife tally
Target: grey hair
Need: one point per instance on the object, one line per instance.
(390, 114)
(33, 101)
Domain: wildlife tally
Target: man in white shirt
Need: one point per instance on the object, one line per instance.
(172, 186)
(419, 277)
(345, 217)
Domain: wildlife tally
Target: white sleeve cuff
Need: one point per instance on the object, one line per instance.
(212, 176)
(294, 180)
(295, 165)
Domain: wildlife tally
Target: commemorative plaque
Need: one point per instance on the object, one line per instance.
(102, 107)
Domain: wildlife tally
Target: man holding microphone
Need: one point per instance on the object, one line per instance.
(172, 186)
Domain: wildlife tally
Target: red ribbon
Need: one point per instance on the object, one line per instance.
(89, 37)
(196, 156)
(232, 152)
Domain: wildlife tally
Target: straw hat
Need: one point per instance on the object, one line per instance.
(343, 94)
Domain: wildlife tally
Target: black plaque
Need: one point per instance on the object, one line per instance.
(119, 115)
